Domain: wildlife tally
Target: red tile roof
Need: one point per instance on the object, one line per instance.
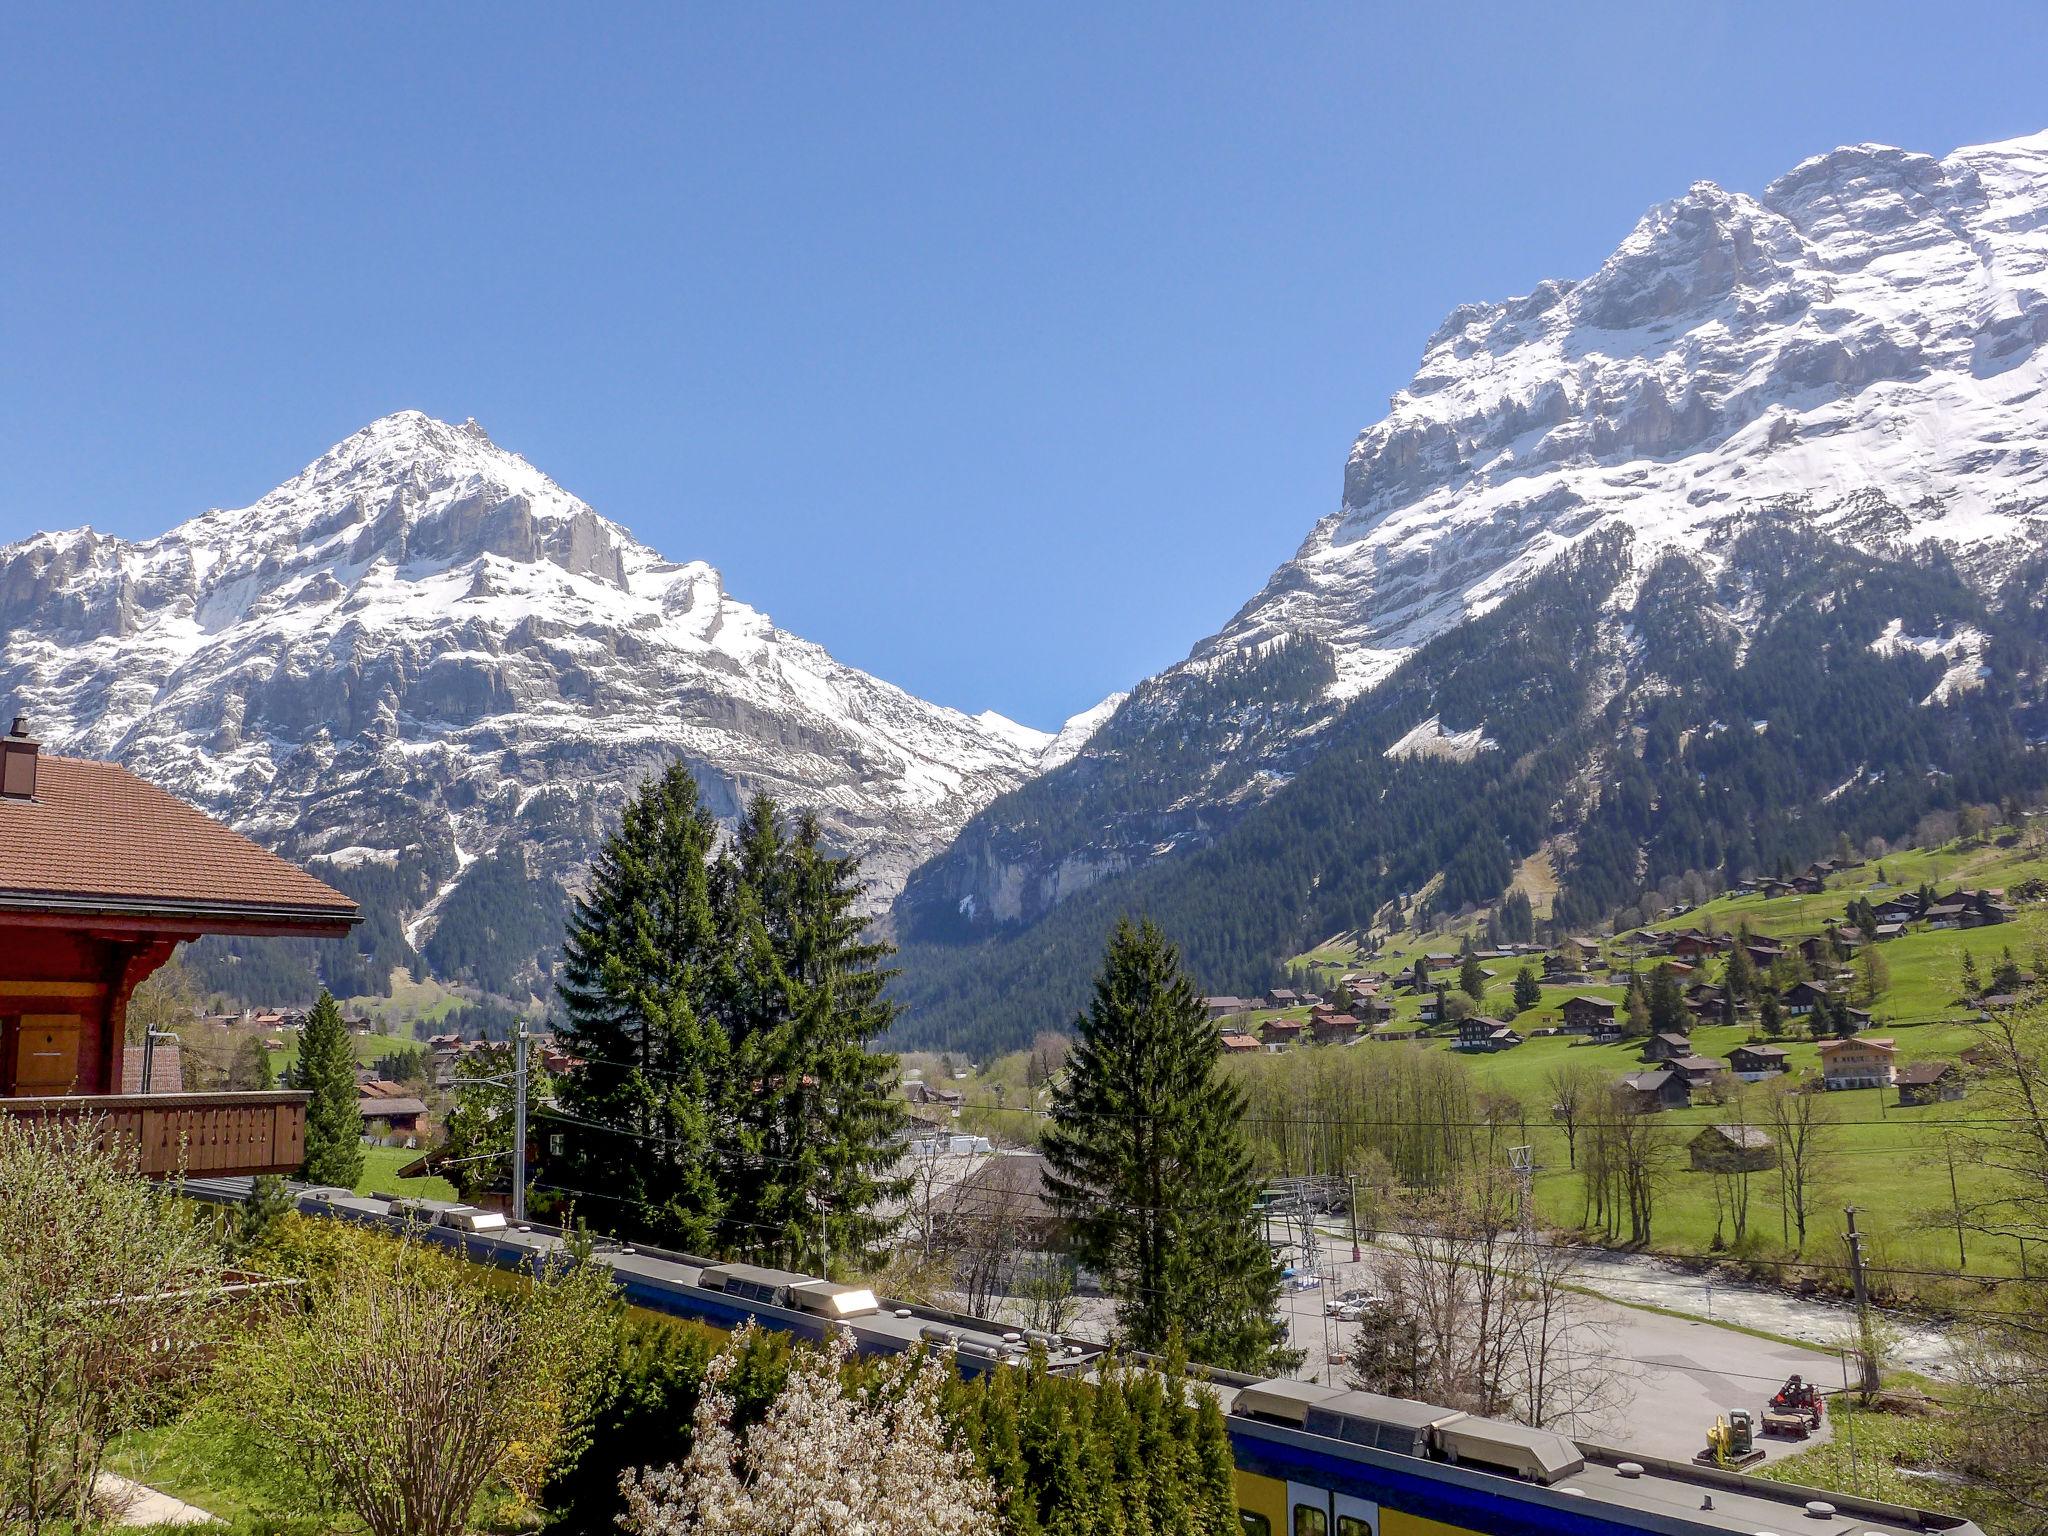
(98, 839)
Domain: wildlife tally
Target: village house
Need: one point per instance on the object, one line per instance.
(102, 876)
(1858, 1063)
(389, 1113)
(1691, 944)
(1732, 1149)
(1284, 997)
(1929, 1082)
(1484, 1034)
(1582, 1014)
(1802, 997)
(1901, 909)
(1606, 1032)
(1648, 1092)
(1698, 1071)
(1278, 1032)
(1754, 1063)
(1764, 953)
(1236, 1042)
(1334, 1028)
(1668, 1045)
(1224, 1007)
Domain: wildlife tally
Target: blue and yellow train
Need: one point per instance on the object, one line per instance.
(1312, 1460)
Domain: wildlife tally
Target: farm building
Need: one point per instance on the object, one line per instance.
(1732, 1149)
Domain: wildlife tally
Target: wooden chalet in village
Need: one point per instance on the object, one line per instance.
(1648, 1092)
(1583, 1014)
(1754, 1063)
(1929, 1082)
(102, 876)
(1858, 1063)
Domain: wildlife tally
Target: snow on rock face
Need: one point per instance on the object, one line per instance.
(409, 643)
(1430, 739)
(1863, 341)
(1963, 651)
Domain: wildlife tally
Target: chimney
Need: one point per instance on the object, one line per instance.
(18, 762)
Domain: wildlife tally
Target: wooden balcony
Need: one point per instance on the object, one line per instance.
(201, 1135)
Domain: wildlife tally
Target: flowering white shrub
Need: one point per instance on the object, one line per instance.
(823, 1462)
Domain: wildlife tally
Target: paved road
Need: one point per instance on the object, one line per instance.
(1672, 1376)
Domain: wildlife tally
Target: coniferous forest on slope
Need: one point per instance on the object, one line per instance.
(1729, 724)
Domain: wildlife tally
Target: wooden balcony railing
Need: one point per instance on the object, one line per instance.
(198, 1134)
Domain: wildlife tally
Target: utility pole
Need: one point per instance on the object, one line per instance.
(519, 1123)
(1865, 1351)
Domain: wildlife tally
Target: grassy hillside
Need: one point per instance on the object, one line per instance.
(1892, 1162)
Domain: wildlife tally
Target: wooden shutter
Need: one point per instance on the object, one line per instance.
(46, 1053)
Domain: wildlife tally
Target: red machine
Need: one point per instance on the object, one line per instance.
(1796, 1410)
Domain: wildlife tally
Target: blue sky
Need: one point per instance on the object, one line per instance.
(1004, 351)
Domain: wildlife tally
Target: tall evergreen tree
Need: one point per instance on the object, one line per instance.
(1528, 990)
(1146, 1159)
(804, 1006)
(1667, 1002)
(1472, 976)
(639, 967)
(1740, 975)
(334, 1126)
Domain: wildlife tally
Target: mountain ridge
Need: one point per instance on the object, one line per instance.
(420, 653)
(1858, 347)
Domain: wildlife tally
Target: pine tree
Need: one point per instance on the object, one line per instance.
(1771, 1016)
(1146, 1159)
(1973, 986)
(638, 966)
(1667, 1002)
(1472, 976)
(1740, 974)
(804, 1004)
(2005, 976)
(334, 1126)
(1528, 990)
(1635, 1009)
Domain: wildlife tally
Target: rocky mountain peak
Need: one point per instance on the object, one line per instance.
(422, 656)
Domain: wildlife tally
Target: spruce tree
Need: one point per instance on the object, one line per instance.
(804, 1005)
(1667, 1002)
(1771, 1016)
(1528, 990)
(1740, 975)
(1472, 977)
(638, 966)
(334, 1125)
(1146, 1159)
(1635, 1009)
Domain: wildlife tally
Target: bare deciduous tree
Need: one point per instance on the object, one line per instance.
(1576, 1089)
(825, 1461)
(1480, 1313)
(1802, 1122)
(105, 1285)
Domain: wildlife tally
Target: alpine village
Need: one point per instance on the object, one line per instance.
(1537, 1026)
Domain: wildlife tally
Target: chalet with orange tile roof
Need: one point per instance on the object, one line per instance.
(102, 876)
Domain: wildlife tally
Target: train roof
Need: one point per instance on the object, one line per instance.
(1647, 1492)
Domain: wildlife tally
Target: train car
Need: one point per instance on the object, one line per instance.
(1319, 1461)
(1312, 1459)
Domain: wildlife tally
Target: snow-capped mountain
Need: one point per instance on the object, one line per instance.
(1863, 339)
(422, 656)
(1858, 350)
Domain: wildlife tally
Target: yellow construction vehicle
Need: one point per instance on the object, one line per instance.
(1731, 1441)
